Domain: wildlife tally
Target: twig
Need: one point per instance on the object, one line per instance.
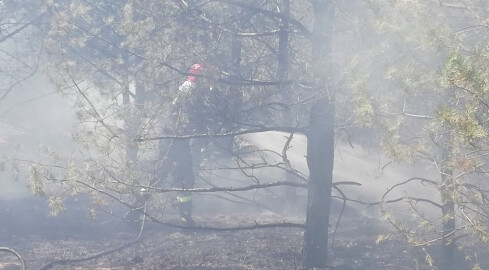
(429, 242)
(97, 116)
(284, 151)
(246, 200)
(406, 182)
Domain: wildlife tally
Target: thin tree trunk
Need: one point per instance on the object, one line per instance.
(132, 124)
(282, 70)
(133, 121)
(283, 43)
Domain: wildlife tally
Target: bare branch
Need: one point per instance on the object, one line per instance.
(198, 228)
(18, 30)
(221, 135)
(422, 180)
(18, 82)
(97, 116)
(303, 30)
(227, 189)
(427, 243)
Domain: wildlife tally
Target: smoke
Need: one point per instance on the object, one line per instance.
(373, 171)
(35, 121)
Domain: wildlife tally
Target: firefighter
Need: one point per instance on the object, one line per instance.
(183, 177)
(191, 107)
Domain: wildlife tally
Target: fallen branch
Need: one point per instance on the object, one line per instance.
(239, 228)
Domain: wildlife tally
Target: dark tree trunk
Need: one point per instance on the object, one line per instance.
(320, 157)
(320, 140)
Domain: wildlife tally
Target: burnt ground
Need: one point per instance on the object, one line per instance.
(43, 240)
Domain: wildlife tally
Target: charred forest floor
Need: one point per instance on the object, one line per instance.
(42, 241)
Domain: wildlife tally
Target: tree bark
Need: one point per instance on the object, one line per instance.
(320, 140)
(282, 70)
(320, 157)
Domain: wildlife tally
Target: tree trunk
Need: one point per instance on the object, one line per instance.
(283, 43)
(320, 157)
(133, 121)
(132, 124)
(282, 70)
(320, 140)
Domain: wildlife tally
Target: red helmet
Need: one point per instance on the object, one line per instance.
(195, 69)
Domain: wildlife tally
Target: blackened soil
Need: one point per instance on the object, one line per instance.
(161, 247)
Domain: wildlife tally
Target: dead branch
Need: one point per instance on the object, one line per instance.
(197, 228)
(239, 228)
(422, 180)
(227, 189)
(287, 168)
(235, 189)
(17, 82)
(221, 135)
(349, 183)
(246, 200)
(18, 30)
(284, 151)
(426, 201)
